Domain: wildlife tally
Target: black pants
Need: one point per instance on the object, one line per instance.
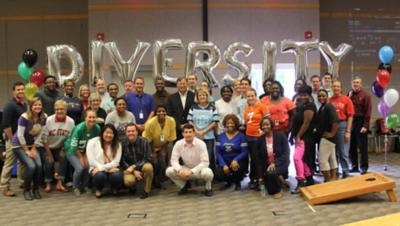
(309, 151)
(272, 182)
(235, 176)
(253, 159)
(360, 141)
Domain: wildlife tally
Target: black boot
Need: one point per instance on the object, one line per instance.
(300, 184)
(36, 194)
(28, 195)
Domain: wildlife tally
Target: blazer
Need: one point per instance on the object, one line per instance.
(175, 109)
(281, 153)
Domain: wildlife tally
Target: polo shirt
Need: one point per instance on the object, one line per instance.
(11, 113)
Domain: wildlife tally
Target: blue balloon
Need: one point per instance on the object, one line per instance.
(386, 54)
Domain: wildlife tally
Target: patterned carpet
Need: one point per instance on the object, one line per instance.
(229, 207)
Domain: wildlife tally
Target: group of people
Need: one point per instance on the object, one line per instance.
(99, 138)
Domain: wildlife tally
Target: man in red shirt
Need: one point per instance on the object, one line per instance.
(359, 133)
(345, 111)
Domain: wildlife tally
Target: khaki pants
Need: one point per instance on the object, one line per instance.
(327, 155)
(205, 174)
(130, 179)
(7, 167)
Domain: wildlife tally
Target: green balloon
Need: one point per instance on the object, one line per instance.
(392, 120)
(24, 71)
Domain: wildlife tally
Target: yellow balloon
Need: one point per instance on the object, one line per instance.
(30, 90)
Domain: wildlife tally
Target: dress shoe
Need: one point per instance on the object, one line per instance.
(145, 195)
(28, 195)
(310, 180)
(238, 187)
(36, 194)
(345, 175)
(354, 170)
(208, 193)
(98, 194)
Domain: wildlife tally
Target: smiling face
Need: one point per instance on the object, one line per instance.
(50, 84)
(69, 88)
(160, 85)
(113, 90)
(161, 113)
(202, 97)
(85, 92)
(336, 88)
(182, 85)
(128, 87)
(108, 135)
(267, 87)
(60, 110)
(327, 81)
(316, 83)
(36, 107)
(95, 103)
(266, 126)
(188, 135)
(192, 81)
(121, 106)
(226, 94)
(298, 84)
(101, 86)
(19, 92)
(131, 133)
(139, 85)
(230, 126)
(236, 87)
(322, 97)
(244, 86)
(90, 119)
(251, 97)
(356, 84)
(275, 91)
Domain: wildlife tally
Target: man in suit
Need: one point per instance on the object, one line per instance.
(178, 105)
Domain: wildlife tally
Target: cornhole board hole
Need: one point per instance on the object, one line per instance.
(349, 187)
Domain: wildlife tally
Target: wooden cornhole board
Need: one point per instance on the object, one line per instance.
(349, 187)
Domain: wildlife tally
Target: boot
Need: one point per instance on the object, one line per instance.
(333, 174)
(327, 175)
(300, 184)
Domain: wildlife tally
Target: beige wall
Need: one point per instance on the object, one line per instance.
(37, 24)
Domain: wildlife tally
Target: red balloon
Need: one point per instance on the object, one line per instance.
(383, 78)
(37, 77)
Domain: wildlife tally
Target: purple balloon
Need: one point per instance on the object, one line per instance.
(377, 89)
(383, 109)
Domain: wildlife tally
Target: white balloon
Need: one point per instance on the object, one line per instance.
(54, 56)
(300, 50)
(161, 62)
(269, 66)
(126, 70)
(391, 97)
(334, 56)
(96, 61)
(242, 68)
(205, 66)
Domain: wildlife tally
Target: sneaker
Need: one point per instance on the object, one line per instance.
(345, 175)
(363, 172)
(208, 193)
(77, 192)
(300, 183)
(310, 180)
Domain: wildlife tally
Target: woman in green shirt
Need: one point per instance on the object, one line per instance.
(75, 147)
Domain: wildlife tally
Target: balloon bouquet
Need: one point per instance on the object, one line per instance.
(390, 96)
(35, 78)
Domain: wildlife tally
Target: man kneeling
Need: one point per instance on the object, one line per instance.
(193, 153)
(135, 160)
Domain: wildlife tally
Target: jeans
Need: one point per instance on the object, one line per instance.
(80, 178)
(342, 148)
(101, 178)
(33, 169)
(49, 165)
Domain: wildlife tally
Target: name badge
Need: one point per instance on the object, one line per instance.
(162, 138)
(141, 116)
(276, 122)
